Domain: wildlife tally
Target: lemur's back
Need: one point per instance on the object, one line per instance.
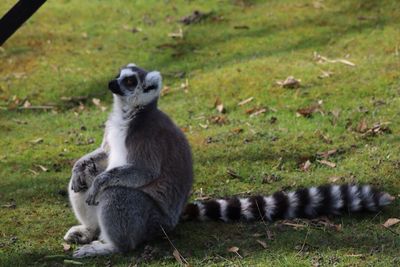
(157, 143)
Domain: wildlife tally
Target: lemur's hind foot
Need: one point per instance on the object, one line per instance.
(80, 234)
(96, 248)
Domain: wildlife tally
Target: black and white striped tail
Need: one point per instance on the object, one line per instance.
(303, 203)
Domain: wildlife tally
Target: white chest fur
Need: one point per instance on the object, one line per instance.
(117, 130)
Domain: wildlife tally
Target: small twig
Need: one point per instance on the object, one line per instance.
(66, 261)
(223, 258)
(170, 242)
(269, 235)
(233, 174)
(30, 107)
(304, 242)
(376, 215)
(37, 107)
(390, 230)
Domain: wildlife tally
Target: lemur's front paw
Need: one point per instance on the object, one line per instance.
(78, 182)
(91, 200)
(81, 173)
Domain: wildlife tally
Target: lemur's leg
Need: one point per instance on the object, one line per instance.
(83, 174)
(127, 218)
(126, 176)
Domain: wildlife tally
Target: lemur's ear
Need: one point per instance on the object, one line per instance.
(152, 81)
(131, 65)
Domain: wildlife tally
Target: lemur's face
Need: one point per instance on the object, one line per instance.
(136, 86)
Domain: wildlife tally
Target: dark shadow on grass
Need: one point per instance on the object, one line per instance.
(185, 49)
(202, 241)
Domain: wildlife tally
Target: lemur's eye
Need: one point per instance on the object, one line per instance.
(150, 87)
(131, 81)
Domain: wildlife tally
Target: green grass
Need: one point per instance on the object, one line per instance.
(72, 48)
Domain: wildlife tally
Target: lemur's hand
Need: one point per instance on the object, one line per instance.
(92, 193)
(98, 185)
(81, 175)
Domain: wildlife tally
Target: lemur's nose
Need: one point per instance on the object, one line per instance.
(114, 87)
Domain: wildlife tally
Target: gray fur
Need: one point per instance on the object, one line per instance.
(133, 196)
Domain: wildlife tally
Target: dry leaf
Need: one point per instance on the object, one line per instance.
(185, 129)
(308, 111)
(390, 222)
(335, 113)
(37, 141)
(324, 221)
(178, 34)
(255, 111)
(20, 121)
(251, 110)
(268, 179)
(325, 74)
(75, 99)
(243, 102)
(258, 112)
(327, 154)
(322, 59)
(185, 86)
(27, 104)
(262, 243)
(327, 163)
(97, 103)
(237, 130)
(66, 247)
(346, 62)
(219, 106)
(220, 119)
(235, 250)
(305, 166)
(318, 5)
(293, 224)
(378, 128)
(81, 106)
(11, 205)
(195, 17)
(166, 90)
(132, 29)
(290, 82)
(334, 179)
(136, 29)
(42, 168)
(355, 255)
(204, 126)
(362, 126)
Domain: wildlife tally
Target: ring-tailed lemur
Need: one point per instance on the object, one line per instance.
(137, 183)
(139, 179)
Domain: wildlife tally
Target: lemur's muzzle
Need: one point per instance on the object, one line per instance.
(114, 87)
